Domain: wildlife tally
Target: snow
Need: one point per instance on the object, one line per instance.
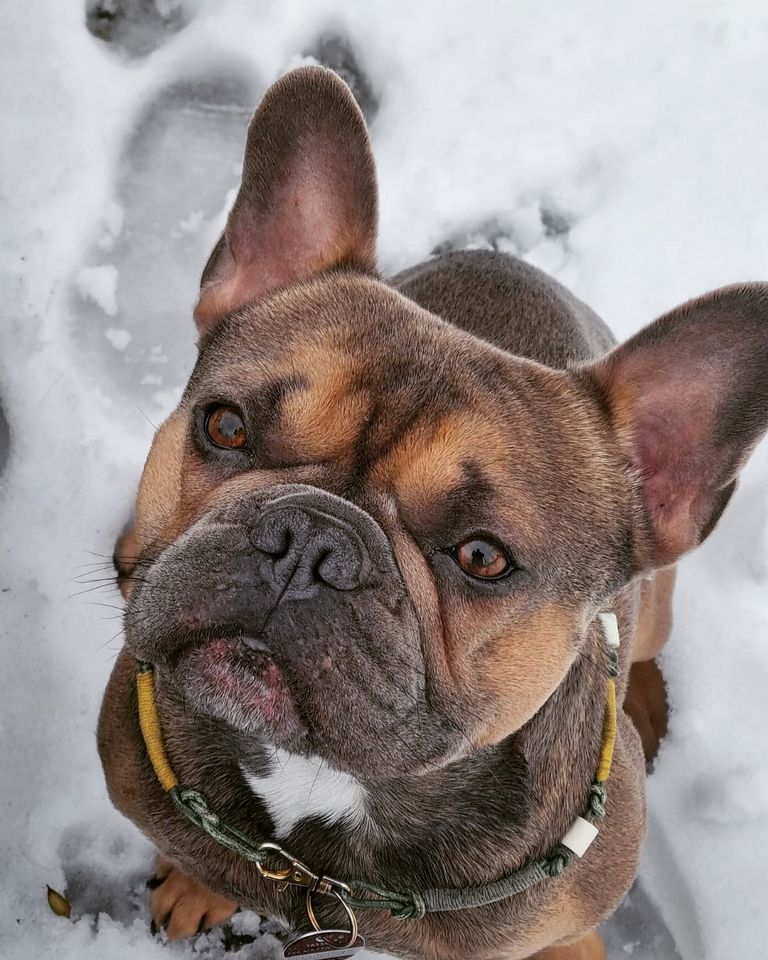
(99, 284)
(118, 338)
(620, 147)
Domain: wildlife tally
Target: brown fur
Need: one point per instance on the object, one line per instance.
(465, 395)
(646, 705)
(587, 948)
(655, 622)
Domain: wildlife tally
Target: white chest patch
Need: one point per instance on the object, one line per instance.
(296, 788)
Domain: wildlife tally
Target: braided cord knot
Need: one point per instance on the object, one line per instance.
(613, 662)
(558, 860)
(414, 910)
(408, 905)
(195, 803)
(598, 796)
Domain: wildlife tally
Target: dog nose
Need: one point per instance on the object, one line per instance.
(302, 549)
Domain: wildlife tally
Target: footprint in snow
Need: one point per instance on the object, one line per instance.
(133, 297)
(136, 27)
(517, 232)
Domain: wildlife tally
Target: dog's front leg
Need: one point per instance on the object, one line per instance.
(590, 947)
(182, 906)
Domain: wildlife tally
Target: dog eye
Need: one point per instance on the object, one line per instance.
(224, 427)
(484, 559)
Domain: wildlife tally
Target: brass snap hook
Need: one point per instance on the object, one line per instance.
(294, 871)
(298, 874)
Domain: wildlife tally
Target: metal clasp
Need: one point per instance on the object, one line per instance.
(296, 873)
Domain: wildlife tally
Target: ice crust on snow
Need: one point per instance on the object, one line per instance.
(618, 147)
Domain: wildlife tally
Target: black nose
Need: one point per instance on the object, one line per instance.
(302, 548)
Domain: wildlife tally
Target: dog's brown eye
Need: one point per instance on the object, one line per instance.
(225, 428)
(482, 558)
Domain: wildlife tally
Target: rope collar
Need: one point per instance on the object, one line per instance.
(275, 863)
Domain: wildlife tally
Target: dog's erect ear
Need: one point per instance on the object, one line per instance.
(688, 398)
(307, 199)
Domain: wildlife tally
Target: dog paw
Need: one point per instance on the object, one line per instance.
(181, 906)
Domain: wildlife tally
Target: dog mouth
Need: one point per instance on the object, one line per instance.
(235, 678)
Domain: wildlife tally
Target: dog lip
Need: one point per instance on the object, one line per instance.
(238, 645)
(232, 671)
(229, 643)
(255, 644)
(214, 643)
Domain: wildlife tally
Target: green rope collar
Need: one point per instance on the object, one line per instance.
(358, 895)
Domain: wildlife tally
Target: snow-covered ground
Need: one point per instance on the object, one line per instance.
(621, 147)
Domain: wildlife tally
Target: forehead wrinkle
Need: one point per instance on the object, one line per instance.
(232, 379)
(309, 365)
(468, 500)
(267, 402)
(429, 464)
(322, 425)
(323, 420)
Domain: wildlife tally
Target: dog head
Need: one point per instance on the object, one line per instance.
(368, 535)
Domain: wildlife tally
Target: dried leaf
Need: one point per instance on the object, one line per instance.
(58, 903)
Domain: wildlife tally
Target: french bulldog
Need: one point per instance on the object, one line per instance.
(371, 550)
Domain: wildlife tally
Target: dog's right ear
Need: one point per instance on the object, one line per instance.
(307, 200)
(688, 401)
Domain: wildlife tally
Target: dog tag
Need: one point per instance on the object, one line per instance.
(323, 945)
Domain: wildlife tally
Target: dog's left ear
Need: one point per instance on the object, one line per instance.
(688, 399)
(307, 200)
